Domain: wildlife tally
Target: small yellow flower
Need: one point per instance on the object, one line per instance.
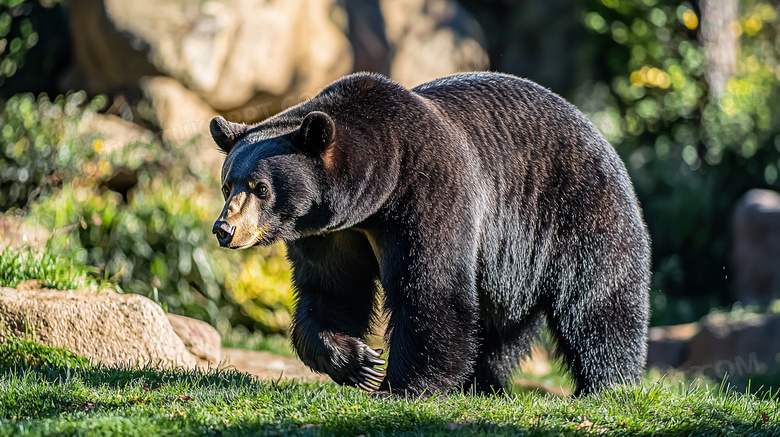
(753, 24)
(647, 77)
(97, 145)
(690, 19)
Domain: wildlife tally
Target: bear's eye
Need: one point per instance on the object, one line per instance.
(262, 190)
(225, 191)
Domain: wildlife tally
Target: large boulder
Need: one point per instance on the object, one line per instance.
(667, 346)
(183, 121)
(250, 59)
(115, 131)
(756, 253)
(414, 41)
(15, 233)
(430, 39)
(739, 348)
(108, 327)
(200, 338)
(230, 52)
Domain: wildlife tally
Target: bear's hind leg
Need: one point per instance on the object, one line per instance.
(432, 322)
(500, 351)
(602, 340)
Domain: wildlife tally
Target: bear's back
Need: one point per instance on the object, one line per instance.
(505, 109)
(538, 147)
(553, 183)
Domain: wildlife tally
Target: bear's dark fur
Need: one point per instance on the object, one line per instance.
(483, 204)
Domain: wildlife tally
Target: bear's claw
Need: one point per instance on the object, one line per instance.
(367, 387)
(379, 373)
(368, 377)
(377, 361)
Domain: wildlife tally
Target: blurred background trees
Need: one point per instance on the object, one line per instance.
(105, 107)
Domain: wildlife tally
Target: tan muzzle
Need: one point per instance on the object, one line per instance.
(237, 226)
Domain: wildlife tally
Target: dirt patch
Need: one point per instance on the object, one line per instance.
(266, 365)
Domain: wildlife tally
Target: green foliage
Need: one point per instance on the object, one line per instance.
(16, 38)
(690, 153)
(52, 269)
(239, 337)
(128, 401)
(26, 352)
(41, 145)
(159, 244)
(157, 241)
(739, 313)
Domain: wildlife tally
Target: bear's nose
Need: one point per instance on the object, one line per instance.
(224, 232)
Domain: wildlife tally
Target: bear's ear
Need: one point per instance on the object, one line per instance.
(316, 134)
(226, 133)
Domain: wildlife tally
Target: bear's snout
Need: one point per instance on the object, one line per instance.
(224, 232)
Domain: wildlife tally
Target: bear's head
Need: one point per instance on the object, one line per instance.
(271, 179)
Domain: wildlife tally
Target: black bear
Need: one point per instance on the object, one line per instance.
(482, 204)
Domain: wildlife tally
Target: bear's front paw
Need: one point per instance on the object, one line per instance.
(358, 366)
(367, 376)
(347, 360)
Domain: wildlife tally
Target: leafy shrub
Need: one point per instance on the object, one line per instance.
(160, 244)
(53, 270)
(26, 352)
(41, 145)
(17, 36)
(157, 241)
(691, 154)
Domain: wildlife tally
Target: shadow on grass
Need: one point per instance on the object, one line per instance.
(51, 390)
(305, 409)
(384, 425)
(119, 376)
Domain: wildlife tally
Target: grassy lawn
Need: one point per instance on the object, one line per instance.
(50, 391)
(61, 395)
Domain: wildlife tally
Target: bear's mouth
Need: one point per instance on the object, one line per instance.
(255, 237)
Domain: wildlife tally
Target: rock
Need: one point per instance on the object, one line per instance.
(107, 58)
(183, 119)
(414, 41)
(250, 59)
(431, 39)
(181, 114)
(366, 33)
(108, 327)
(266, 365)
(200, 338)
(14, 233)
(740, 348)
(230, 52)
(533, 39)
(29, 285)
(756, 252)
(738, 345)
(115, 132)
(667, 346)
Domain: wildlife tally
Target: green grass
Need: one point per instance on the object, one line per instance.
(51, 391)
(26, 352)
(89, 399)
(47, 266)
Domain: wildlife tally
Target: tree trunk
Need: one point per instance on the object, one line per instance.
(720, 41)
